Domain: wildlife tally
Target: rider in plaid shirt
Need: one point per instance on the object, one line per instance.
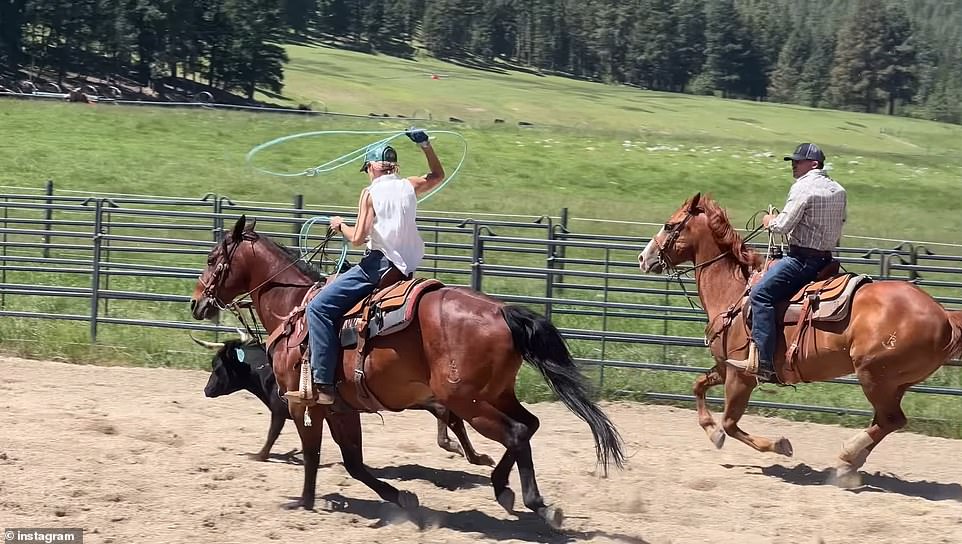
(812, 218)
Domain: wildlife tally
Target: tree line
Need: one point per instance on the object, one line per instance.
(885, 56)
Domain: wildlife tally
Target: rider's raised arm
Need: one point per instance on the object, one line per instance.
(427, 182)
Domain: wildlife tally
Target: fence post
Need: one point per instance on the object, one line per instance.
(562, 228)
(3, 277)
(48, 218)
(550, 265)
(218, 226)
(105, 249)
(95, 273)
(477, 257)
(604, 323)
(298, 208)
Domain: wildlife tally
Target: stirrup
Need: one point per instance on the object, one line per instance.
(749, 365)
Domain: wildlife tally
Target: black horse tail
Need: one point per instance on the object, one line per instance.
(540, 343)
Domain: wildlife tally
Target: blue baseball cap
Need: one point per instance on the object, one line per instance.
(378, 153)
(807, 152)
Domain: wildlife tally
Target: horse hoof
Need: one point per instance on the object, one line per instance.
(506, 500)
(553, 516)
(299, 503)
(846, 477)
(784, 447)
(262, 457)
(718, 438)
(483, 460)
(407, 500)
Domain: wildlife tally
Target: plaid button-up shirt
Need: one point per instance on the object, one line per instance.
(814, 213)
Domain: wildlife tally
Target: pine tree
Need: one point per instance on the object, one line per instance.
(899, 74)
(653, 45)
(12, 18)
(784, 83)
(813, 83)
(860, 58)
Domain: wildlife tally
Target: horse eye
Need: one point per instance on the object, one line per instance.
(668, 227)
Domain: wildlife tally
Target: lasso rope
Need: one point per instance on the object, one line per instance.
(303, 237)
(344, 160)
(351, 156)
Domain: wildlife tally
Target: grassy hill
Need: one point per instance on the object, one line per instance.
(603, 151)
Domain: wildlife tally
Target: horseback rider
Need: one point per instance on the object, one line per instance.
(386, 219)
(812, 218)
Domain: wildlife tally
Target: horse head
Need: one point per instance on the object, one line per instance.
(675, 243)
(698, 232)
(227, 274)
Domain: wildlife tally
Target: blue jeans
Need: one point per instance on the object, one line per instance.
(783, 279)
(327, 309)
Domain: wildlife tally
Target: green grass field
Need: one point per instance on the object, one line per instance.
(604, 152)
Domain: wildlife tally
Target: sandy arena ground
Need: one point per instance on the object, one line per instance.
(140, 456)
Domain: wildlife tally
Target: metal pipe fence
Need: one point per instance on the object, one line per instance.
(121, 249)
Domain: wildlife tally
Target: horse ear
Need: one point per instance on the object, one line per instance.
(238, 231)
(250, 226)
(694, 203)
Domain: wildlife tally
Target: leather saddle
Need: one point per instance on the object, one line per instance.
(828, 298)
(387, 310)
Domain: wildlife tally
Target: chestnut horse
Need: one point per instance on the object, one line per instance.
(463, 352)
(896, 334)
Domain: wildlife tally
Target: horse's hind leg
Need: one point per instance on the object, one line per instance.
(738, 391)
(446, 420)
(705, 419)
(511, 425)
(887, 401)
(529, 485)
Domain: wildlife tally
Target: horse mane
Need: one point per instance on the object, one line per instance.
(726, 236)
(304, 267)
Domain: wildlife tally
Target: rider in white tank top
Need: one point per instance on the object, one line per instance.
(386, 221)
(394, 231)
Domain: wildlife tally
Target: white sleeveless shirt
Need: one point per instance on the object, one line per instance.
(395, 231)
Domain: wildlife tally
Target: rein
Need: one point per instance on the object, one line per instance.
(241, 301)
(677, 273)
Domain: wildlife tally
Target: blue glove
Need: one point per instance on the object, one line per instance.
(417, 136)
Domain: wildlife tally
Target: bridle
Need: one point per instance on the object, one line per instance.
(222, 270)
(674, 231)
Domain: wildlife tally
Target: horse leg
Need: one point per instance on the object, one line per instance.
(705, 419)
(887, 401)
(311, 446)
(495, 424)
(738, 391)
(529, 485)
(346, 431)
(277, 423)
(447, 420)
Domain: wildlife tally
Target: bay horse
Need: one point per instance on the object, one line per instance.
(895, 336)
(463, 352)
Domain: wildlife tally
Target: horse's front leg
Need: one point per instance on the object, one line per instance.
(708, 380)
(738, 391)
(311, 444)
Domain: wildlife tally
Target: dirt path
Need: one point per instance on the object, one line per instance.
(139, 455)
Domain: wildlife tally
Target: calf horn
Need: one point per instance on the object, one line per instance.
(208, 345)
(245, 338)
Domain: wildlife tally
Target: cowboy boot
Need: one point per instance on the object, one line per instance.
(325, 394)
(763, 371)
